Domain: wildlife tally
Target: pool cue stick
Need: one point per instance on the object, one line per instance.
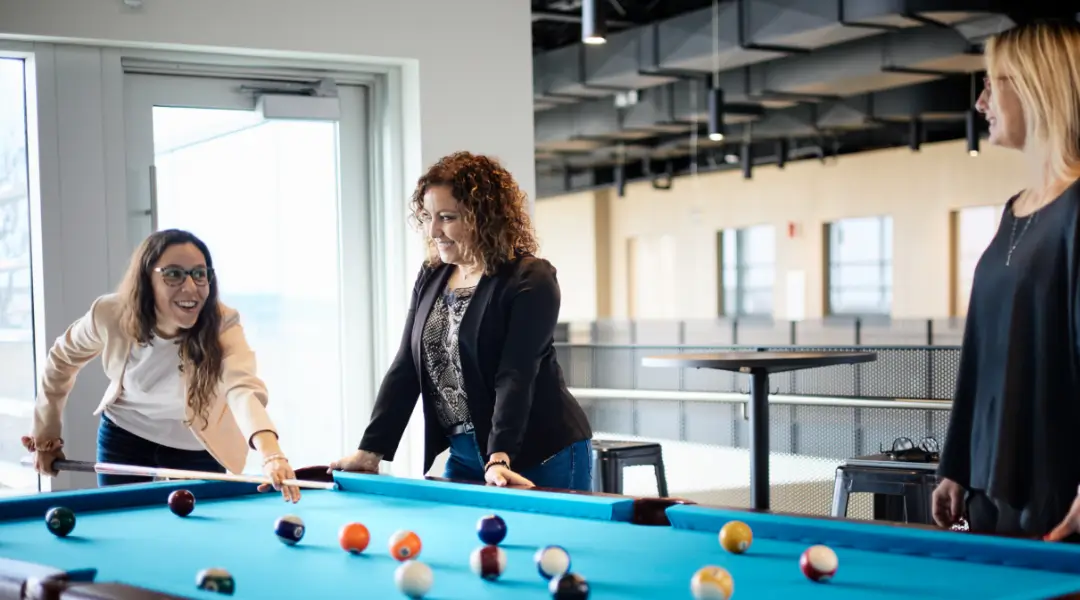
(119, 469)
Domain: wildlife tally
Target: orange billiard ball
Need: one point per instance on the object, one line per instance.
(736, 537)
(404, 545)
(354, 537)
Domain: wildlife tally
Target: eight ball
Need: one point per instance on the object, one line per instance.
(181, 502)
(60, 521)
(569, 586)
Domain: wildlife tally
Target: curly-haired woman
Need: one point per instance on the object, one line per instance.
(183, 390)
(478, 344)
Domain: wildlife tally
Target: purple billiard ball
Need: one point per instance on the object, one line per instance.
(491, 529)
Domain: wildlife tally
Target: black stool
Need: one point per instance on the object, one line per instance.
(902, 490)
(610, 457)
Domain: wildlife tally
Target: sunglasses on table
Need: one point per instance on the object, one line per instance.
(174, 276)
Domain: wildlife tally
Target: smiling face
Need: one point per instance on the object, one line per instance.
(1000, 104)
(181, 283)
(443, 222)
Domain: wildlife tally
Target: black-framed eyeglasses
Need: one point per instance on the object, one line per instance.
(174, 276)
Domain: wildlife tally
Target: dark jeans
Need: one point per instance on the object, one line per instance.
(569, 469)
(985, 515)
(118, 445)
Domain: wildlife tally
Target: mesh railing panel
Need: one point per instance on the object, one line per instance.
(707, 457)
(925, 373)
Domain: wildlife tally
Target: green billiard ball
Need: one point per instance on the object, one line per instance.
(60, 521)
(216, 580)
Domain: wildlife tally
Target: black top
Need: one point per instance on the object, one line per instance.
(517, 398)
(766, 362)
(1014, 431)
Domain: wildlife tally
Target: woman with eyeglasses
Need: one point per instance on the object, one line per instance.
(183, 392)
(1011, 459)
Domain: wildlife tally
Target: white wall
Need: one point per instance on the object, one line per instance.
(473, 57)
(467, 81)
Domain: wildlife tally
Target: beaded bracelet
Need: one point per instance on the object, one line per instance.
(274, 457)
(496, 462)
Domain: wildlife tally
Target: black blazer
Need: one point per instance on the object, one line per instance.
(517, 397)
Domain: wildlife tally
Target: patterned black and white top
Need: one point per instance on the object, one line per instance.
(442, 359)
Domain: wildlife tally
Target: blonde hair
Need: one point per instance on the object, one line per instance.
(1041, 60)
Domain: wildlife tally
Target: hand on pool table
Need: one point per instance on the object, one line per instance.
(1069, 525)
(278, 470)
(360, 461)
(500, 475)
(948, 501)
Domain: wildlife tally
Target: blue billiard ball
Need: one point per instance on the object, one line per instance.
(491, 529)
(552, 561)
(289, 529)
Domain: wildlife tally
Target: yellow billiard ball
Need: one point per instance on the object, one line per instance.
(736, 537)
(712, 583)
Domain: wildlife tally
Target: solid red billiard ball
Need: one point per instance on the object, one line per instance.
(181, 502)
(736, 537)
(354, 537)
(819, 563)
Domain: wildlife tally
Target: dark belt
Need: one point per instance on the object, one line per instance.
(459, 429)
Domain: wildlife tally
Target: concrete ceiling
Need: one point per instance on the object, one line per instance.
(800, 78)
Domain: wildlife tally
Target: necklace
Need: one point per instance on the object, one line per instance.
(1014, 240)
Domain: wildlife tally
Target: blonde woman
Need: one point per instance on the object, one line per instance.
(1011, 462)
(183, 390)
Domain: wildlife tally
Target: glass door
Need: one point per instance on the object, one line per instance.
(279, 203)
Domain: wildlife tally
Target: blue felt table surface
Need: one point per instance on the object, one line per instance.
(149, 546)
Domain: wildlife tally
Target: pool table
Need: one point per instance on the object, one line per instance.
(128, 545)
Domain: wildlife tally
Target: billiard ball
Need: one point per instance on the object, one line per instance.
(569, 586)
(60, 520)
(491, 529)
(819, 563)
(736, 537)
(216, 580)
(552, 561)
(488, 562)
(413, 578)
(712, 583)
(404, 545)
(289, 529)
(181, 502)
(354, 537)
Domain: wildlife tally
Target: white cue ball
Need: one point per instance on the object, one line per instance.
(413, 578)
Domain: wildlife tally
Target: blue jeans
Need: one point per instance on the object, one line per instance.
(569, 469)
(118, 445)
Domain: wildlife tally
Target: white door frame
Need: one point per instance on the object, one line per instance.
(357, 251)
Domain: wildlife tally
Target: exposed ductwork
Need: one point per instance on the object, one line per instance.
(801, 71)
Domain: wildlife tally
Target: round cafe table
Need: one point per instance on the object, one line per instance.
(759, 365)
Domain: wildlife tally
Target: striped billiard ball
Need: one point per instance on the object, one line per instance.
(289, 529)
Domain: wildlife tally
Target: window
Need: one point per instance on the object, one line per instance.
(748, 268)
(973, 228)
(859, 253)
(17, 380)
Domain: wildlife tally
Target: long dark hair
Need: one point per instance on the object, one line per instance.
(199, 347)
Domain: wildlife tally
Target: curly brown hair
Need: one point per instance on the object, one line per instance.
(493, 207)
